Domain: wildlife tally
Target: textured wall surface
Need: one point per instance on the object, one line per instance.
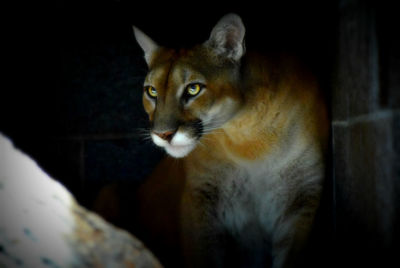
(365, 127)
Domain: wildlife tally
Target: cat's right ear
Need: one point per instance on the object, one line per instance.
(146, 43)
(227, 37)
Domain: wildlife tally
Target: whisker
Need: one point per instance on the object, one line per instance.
(213, 122)
(147, 138)
(212, 129)
(204, 139)
(143, 130)
(201, 143)
(144, 134)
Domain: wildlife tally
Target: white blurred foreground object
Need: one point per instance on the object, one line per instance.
(41, 225)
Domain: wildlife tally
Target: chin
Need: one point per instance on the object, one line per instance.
(180, 150)
(180, 146)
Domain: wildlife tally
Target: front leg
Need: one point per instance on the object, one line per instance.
(202, 234)
(291, 236)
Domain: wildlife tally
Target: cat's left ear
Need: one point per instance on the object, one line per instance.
(227, 37)
(146, 43)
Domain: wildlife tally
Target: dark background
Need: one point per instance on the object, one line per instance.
(74, 76)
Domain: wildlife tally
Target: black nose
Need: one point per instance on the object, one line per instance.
(167, 135)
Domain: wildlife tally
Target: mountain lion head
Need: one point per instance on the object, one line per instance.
(188, 93)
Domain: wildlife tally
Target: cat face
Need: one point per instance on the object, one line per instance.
(190, 93)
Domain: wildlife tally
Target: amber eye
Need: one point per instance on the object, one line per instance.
(193, 89)
(151, 91)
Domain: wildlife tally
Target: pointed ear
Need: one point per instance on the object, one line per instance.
(145, 42)
(227, 37)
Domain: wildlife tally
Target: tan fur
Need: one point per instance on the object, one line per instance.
(254, 182)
